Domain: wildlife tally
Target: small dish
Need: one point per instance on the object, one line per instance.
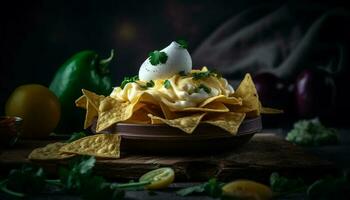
(10, 130)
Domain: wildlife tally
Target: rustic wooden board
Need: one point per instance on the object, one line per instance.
(264, 154)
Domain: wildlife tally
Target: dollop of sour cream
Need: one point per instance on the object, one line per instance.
(178, 60)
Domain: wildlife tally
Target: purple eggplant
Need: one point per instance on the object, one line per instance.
(315, 94)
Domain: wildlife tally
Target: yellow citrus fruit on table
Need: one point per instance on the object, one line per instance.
(159, 178)
(246, 189)
(37, 106)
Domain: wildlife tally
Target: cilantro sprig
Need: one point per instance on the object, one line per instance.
(211, 188)
(157, 57)
(167, 84)
(129, 80)
(204, 87)
(182, 43)
(78, 178)
(147, 85)
(203, 75)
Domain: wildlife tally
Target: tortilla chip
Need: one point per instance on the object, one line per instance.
(266, 110)
(112, 111)
(49, 152)
(250, 99)
(139, 117)
(188, 124)
(93, 98)
(81, 102)
(229, 121)
(90, 115)
(223, 99)
(99, 145)
(211, 107)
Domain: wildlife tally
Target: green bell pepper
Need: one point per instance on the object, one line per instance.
(84, 70)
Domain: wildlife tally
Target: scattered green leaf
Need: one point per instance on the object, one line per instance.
(182, 43)
(129, 80)
(167, 84)
(211, 188)
(156, 57)
(312, 133)
(147, 85)
(204, 87)
(282, 184)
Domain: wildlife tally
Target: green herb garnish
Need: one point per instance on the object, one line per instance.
(312, 133)
(167, 84)
(129, 80)
(147, 85)
(78, 178)
(182, 43)
(282, 184)
(156, 57)
(211, 188)
(205, 74)
(204, 87)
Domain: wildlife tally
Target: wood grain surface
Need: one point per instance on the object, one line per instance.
(264, 154)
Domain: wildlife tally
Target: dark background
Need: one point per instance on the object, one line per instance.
(36, 37)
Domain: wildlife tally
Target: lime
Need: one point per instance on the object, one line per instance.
(159, 178)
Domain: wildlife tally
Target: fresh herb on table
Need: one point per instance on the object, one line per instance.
(312, 133)
(157, 57)
(77, 178)
(182, 43)
(211, 188)
(167, 84)
(282, 184)
(147, 85)
(204, 87)
(129, 80)
(76, 136)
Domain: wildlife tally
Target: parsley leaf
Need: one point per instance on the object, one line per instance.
(205, 74)
(28, 179)
(204, 87)
(148, 85)
(182, 43)
(282, 184)
(167, 84)
(156, 57)
(129, 80)
(211, 188)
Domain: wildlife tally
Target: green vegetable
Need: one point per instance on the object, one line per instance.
(282, 184)
(156, 57)
(78, 178)
(76, 136)
(148, 85)
(204, 87)
(330, 188)
(28, 179)
(211, 188)
(85, 70)
(167, 84)
(312, 133)
(182, 43)
(203, 75)
(129, 80)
